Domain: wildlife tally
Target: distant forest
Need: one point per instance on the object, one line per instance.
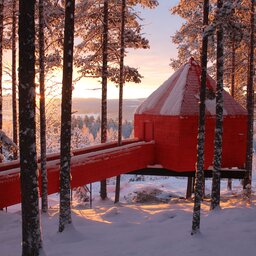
(86, 122)
(86, 130)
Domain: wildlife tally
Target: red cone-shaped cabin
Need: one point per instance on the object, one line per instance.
(169, 116)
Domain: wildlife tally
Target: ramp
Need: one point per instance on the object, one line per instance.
(87, 165)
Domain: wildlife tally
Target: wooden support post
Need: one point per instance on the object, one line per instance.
(189, 187)
(90, 195)
(203, 195)
(117, 192)
(229, 185)
(193, 185)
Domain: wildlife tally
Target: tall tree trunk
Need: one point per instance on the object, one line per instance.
(14, 80)
(1, 67)
(31, 234)
(65, 186)
(250, 104)
(44, 188)
(215, 197)
(199, 179)
(103, 185)
(232, 86)
(121, 84)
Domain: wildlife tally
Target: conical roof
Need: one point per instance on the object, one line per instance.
(179, 95)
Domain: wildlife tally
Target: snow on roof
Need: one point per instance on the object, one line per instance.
(172, 105)
(155, 98)
(179, 95)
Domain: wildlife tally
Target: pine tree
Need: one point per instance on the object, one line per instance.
(14, 80)
(250, 104)
(31, 234)
(121, 84)
(232, 39)
(65, 186)
(232, 89)
(235, 28)
(103, 183)
(110, 16)
(215, 197)
(188, 36)
(201, 127)
(88, 58)
(44, 189)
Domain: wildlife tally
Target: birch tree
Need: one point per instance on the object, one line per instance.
(65, 186)
(31, 233)
(199, 179)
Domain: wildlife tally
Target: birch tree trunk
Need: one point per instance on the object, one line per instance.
(44, 188)
(31, 234)
(103, 184)
(121, 84)
(65, 186)
(215, 197)
(250, 105)
(199, 179)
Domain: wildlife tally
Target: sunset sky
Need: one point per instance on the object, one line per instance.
(153, 64)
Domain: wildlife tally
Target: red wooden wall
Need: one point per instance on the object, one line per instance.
(176, 140)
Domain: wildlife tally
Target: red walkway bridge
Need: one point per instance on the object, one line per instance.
(87, 165)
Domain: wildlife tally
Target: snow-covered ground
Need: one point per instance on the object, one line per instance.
(153, 219)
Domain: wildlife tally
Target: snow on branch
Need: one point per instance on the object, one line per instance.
(7, 142)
